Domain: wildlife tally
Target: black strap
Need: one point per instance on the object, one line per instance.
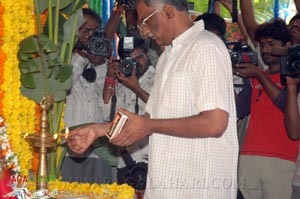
(234, 11)
(137, 105)
(113, 106)
(127, 158)
(211, 4)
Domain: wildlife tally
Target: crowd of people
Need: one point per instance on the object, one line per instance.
(198, 134)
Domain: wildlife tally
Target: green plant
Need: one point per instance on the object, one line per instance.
(45, 60)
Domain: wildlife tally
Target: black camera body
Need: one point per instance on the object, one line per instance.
(127, 4)
(134, 173)
(243, 58)
(290, 64)
(98, 44)
(127, 65)
(241, 54)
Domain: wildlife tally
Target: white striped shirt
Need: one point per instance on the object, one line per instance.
(84, 101)
(193, 75)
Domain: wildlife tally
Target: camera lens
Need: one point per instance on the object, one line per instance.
(127, 65)
(99, 46)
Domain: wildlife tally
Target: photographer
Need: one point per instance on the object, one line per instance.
(89, 62)
(292, 124)
(267, 156)
(134, 79)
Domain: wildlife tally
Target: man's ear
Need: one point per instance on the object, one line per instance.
(169, 10)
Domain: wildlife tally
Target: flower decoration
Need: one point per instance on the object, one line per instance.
(17, 111)
(11, 161)
(89, 191)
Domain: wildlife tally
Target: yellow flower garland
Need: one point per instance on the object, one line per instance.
(18, 110)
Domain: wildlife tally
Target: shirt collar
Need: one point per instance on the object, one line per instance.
(187, 36)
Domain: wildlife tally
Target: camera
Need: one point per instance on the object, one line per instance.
(134, 173)
(241, 54)
(127, 4)
(98, 44)
(127, 64)
(243, 58)
(290, 64)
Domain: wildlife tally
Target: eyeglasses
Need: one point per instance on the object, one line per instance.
(144, 24)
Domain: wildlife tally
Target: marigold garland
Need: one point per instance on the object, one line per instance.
(17, 110)
(90, 191)
(23, 115)
(2, 56)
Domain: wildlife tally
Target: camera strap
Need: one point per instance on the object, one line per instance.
(136, 107)
(113, 106)
(129, 162)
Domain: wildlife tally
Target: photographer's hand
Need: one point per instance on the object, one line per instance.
(292, 82)
(110, 82)
(247, 70)
(112, 68)
(130, 82)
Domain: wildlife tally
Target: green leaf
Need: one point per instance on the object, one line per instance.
(68, 25)
(61, 22)
(106, 151)
(65, 72)
(27, 80)
(24, 56)
(71, 8)
(29, 45)
(43, 4)
(60, 95)
(46, 44)
(29, 66)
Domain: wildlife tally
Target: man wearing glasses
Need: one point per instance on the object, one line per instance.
(193, 147)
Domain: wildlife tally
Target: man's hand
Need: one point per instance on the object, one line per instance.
(113, 68)
(80, 139)
(130, 82)
(135, 129)
(246, 70)
(292, 82)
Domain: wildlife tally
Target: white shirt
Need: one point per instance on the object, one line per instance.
(127, 99)
(84, 103)
(85, 99)
(193, 75)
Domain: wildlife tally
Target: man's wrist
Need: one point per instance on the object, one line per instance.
(292, 87)
(109, 81)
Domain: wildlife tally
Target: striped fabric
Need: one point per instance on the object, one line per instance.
(193, 75)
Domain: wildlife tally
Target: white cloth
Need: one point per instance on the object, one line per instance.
(193, 75)
(127, 99)
(84, 100)
(84, 103)
(296, 178)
